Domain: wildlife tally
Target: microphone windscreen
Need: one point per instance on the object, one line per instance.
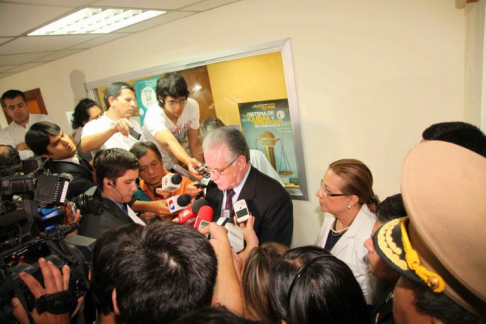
(198, 204)
(184, 200)
(206, 213)
(176, 179)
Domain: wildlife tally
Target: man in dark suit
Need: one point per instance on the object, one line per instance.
(49, 141)
(116, 175)
(233, 178)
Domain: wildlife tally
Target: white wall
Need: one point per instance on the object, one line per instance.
(370, 75)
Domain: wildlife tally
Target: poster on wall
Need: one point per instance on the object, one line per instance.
(146, 95)
(267, 127)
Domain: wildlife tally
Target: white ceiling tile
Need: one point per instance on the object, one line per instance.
(98, 41)
(43, 43)
(171, 16)
(23, 67)
(209, 4)
(61, 3)
(16, 19)
(147, 4)
(21, 58)
(5, 39)
(57, 55)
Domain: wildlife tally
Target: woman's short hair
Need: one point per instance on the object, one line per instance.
(310, 285)
(256, 279)
(81, 114)
(357, 179)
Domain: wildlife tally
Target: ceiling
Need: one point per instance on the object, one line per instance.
(20, 17)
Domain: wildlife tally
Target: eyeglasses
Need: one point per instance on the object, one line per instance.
(175, 102)
(328, 194)
(220, 172)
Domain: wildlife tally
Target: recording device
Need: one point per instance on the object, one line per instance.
(205, 215)
(171, 182)
(189, 214)
(178, 203)
(31, 229)
(241, 211)
(134, 134)
(236, 237)
(203, 170)
(177, 168)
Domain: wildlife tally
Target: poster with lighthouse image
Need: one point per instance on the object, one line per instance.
(267, 127)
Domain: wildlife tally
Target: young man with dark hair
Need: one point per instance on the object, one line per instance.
(169, 122)
(152, 274)
(14, 103)
(49, 141)
(438, 248)
(112, 130)
(459, 133)
(116, 174)
(233, 178)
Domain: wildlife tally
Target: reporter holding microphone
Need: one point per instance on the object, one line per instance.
(150, 197)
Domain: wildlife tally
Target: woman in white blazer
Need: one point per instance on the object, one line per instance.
(346, 195)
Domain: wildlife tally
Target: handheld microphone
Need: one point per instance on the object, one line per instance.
(189, 214)
(205, 214)
(177, 168)
(171, 182)
(178, 203)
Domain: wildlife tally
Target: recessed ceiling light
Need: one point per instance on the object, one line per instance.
(96, 21)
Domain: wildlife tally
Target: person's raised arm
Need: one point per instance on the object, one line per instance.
(96, 140)
(227, 290)
(195, 144)
(166, 138)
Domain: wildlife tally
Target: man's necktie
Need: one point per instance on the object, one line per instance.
(229, 201)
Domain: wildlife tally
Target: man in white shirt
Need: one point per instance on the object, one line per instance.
(15, 105)
(112, 130)
(174, 117)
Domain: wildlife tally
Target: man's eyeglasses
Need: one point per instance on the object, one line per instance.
(175, 102)
(220, 172)
(328, 194)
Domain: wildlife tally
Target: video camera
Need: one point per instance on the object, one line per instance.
(31, 213)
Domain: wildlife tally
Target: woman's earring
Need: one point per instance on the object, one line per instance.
(349, 206)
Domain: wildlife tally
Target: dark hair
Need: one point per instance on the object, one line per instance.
(81, 115)
(232, 138)
(309, 285)
(160, 271)
(12, 94)
(459, 133)
(441, 306)
(214, 315)
(171, 84)
(208, 125)
(114, 90)
(140, 149)
(391, 208)
(256, 279)
(39, 135)
(358, 180)
(113, 163)
(10, 162)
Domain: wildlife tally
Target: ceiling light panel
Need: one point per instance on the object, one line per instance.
(96, 21)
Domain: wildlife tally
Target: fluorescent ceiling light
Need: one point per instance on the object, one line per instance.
(96, 21)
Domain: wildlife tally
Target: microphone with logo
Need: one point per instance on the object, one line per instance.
(171, 182)
(189, 214)
(178, 203)
(204, 217)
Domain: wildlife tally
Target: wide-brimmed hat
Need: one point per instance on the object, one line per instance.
(442, 242)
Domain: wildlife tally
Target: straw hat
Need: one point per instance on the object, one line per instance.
(442, 242)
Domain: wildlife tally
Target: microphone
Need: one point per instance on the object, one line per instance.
(205, 215)
(171, 182)
(189, 214)
(178, 203)
(177, 168)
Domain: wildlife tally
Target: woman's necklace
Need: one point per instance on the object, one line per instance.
(335, 232)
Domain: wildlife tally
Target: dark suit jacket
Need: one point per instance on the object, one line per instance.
(111, 216)
(82, 174)
(267, 200)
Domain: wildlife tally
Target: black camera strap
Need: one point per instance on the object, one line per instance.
(57, 303)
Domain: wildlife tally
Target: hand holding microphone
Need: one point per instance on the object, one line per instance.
(171, 182)
(178, 203)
